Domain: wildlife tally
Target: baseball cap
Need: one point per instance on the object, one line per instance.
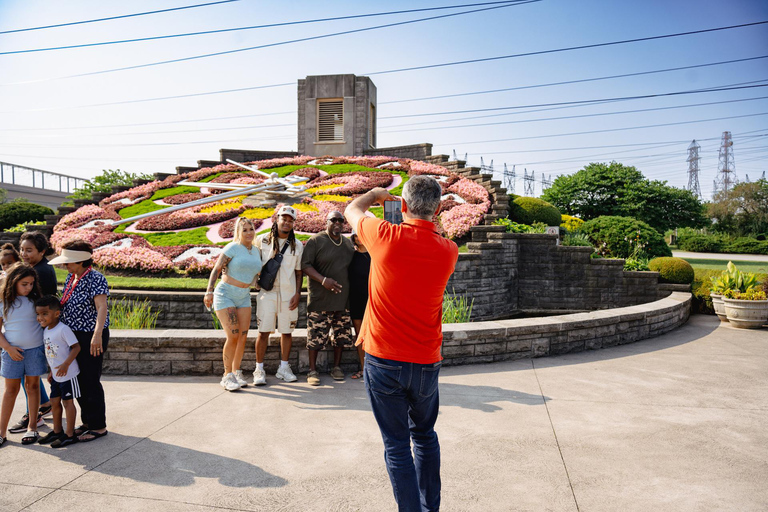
(287, 210)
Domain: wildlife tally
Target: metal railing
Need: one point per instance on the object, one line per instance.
(37, 178)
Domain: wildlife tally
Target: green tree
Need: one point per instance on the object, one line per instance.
(618, 190)
(743, 210)
(104, 182)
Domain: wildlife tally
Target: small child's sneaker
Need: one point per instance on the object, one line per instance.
(51, 437)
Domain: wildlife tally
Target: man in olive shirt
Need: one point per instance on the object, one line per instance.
(325, 261)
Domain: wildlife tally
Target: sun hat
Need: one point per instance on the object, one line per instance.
(69, 256)
(287, 210)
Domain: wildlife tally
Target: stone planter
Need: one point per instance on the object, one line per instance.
(746, 314)
(717, 303)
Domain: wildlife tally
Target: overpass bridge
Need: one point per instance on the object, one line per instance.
(37, 186)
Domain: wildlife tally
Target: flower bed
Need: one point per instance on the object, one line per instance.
(332, 183)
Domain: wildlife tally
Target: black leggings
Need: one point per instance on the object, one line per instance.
(93, 409)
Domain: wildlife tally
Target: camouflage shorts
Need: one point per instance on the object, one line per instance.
(328, 327)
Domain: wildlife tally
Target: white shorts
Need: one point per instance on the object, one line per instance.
(273, 312)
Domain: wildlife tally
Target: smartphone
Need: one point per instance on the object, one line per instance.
(392, 212)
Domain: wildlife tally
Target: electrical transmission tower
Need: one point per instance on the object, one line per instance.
(546, 182)
(509, 179)
(726, 169)
(693, 168)
(529, 183)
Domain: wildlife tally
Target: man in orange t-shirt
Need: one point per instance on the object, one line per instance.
(402, 334)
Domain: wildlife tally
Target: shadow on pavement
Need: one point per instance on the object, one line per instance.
(145, 460)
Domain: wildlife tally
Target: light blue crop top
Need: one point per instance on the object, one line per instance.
(244, 265)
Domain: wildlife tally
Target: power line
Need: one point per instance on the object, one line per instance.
(568, 82)
(582, 102)
(270, 45)
(567, 49)
(572, 117)
(252, 27)
(605, 130)
(115, 17)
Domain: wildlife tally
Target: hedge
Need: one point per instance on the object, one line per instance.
(672, 270)
(721, 244)
(18, 212)
(529, 210)
(612, 236)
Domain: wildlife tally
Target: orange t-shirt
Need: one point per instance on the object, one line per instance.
(410, 266)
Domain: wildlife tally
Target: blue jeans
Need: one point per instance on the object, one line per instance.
(405, 401)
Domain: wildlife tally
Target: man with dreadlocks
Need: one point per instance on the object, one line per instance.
(279, 307)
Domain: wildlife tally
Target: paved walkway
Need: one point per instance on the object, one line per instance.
(720, 256)
(676, 423)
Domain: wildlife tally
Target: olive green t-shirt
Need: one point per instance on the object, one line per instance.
(332, 261)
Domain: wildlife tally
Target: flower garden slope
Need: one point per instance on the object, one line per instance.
(162, 243)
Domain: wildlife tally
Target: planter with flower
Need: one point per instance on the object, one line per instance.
(746, 310)
(730, 280)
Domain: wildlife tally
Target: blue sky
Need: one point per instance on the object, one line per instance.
(48, 121)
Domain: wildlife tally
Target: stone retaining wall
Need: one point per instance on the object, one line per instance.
(198, 352)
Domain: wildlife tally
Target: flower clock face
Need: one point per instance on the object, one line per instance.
(189, 240)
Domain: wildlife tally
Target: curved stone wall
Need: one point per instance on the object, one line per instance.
(198, 352)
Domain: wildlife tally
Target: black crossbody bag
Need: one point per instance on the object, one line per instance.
(270, 269)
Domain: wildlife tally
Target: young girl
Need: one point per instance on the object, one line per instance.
(23, 352)
(8, 256)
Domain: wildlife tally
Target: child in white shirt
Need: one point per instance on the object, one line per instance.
(61, 349)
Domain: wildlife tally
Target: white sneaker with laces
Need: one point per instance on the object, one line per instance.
(259, 377)
(239, 378)
(229, 382)
(285, 373)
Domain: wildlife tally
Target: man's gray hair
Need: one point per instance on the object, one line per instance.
(422, 195)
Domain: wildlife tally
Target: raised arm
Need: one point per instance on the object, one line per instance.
(357, 208)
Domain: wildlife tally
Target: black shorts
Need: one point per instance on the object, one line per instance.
(66, 390)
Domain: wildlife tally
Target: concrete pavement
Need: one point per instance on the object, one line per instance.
(675, 423)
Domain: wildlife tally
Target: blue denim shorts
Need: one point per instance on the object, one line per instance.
(32, 365)
(229, 296)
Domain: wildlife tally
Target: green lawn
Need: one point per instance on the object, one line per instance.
(757, 267)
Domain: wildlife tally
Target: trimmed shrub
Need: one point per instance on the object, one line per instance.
(701, 243)
(672, 270)
(615, 236)
(747, 245)
(528, 210)
(570, 223)
(18, 212)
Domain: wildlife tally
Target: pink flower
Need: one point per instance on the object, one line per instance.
(83, 215)
(131, 258)
(457, 221)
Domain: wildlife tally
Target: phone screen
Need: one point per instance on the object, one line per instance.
(392, 212)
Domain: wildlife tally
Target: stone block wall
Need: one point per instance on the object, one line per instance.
(198, 352)
(413, 151)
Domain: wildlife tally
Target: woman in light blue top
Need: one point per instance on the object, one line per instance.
(231, 300)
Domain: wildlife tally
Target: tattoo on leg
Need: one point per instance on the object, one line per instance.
(235, 331)
(232, 314)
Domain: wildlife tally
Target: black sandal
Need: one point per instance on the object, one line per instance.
(82, 429)
(51, 436)
(2, 441)
(64, 441)
(93, 433)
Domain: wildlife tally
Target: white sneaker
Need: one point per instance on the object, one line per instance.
(229, 382)
(285, 373)
(259, 377)
(239, 378)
